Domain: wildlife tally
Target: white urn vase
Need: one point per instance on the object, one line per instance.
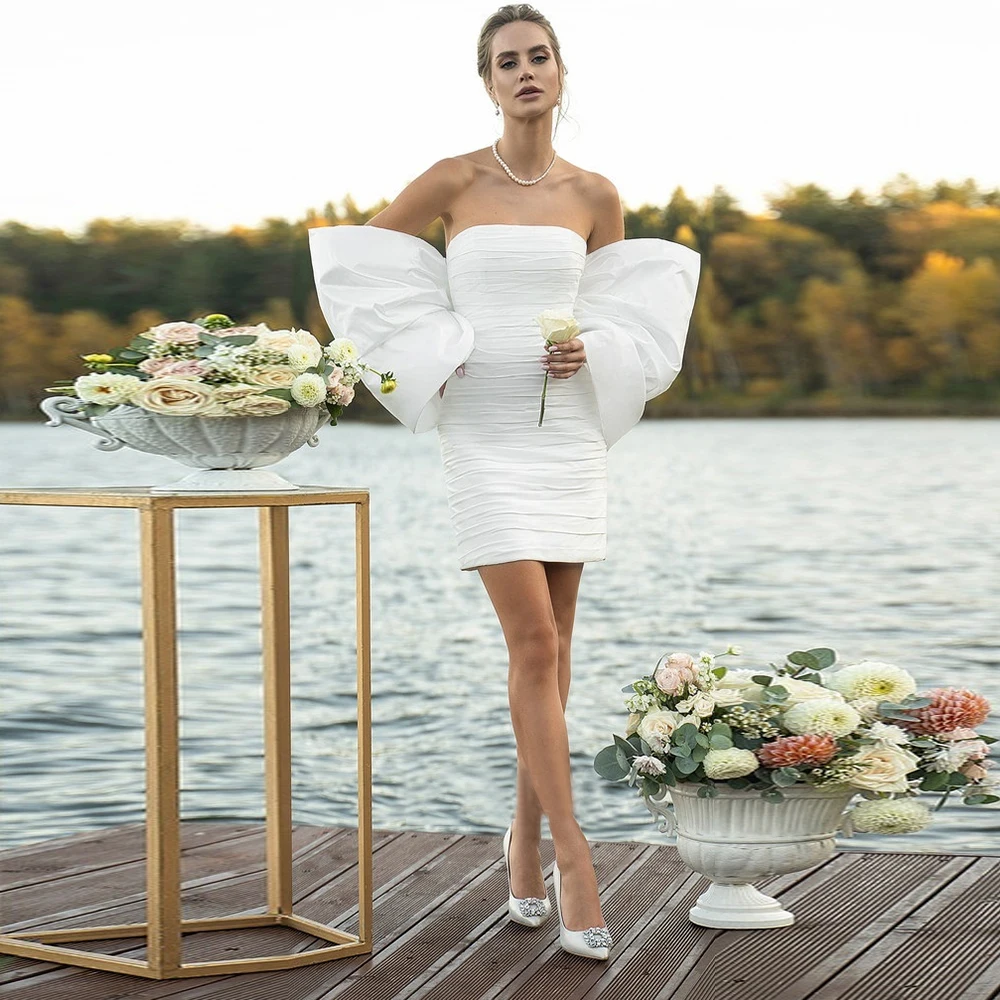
(737, 837)
(228, 452)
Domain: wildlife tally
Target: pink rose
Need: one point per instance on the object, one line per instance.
(973, 771)
(341, 394)
(678, 670)
(175, 333)
(185, 368)
(153, 366)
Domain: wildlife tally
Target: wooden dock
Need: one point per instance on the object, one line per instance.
(870, 926)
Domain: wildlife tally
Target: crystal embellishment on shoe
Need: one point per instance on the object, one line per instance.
(527, 910)
(597, 937)
(532, 906)
(594, 942)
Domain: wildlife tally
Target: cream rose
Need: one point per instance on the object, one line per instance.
(886, 768)
(657, 727)
(557, 327)
(273, 377)
(281, 340)
(798, 691)
(181, 397)
(257, 406)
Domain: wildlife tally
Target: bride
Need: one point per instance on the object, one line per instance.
(527, 232)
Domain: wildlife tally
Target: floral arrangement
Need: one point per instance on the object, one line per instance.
(557, 328)
(210, 367)
(863, 726)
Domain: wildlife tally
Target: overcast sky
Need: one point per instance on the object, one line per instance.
(230, 111)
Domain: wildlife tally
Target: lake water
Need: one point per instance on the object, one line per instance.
(877, 537)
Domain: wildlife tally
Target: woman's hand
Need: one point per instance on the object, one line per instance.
(565, 359)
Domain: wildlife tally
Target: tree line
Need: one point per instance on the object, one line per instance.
(868, 303)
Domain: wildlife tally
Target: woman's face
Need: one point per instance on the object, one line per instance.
(522, 57)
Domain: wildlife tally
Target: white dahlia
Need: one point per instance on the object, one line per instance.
(872, 679)
(890, 816)
(821, 717)
(107, 388)
(309, 389)
(731, 763)
(341, 350)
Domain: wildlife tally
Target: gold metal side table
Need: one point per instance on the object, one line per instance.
(163, 926)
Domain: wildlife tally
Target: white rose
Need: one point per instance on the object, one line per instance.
(182, 397)
(657, 727)
(886, 768)
(257, 406)
(282, 340)
(273, 376)
(557, 327)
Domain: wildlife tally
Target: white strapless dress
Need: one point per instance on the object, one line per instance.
(515, 490)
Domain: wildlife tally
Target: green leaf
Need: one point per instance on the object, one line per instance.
(606, 764)
(686, 765)
(934, 781)
(824, 656)
(785, 776)
(685, 734)
(803, 659)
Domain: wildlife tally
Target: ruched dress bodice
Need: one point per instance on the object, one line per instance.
(516, 490)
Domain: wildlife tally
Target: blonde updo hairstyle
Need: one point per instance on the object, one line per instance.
(506, 15)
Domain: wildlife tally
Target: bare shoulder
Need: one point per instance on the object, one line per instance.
(605, 205)
(427, 197)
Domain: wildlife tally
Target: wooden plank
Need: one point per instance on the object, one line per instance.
(938, 952)
(94, 850)
(831, 908)
(457, 922)
(403, 906)
(398, 855)
(498, 957)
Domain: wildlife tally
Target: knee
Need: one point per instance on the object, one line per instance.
(535, 647)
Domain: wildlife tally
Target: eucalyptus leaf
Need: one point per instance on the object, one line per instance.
(606, 764)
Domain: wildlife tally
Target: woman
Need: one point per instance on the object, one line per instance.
(527, 232)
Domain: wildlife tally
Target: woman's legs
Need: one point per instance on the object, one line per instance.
(535, 603)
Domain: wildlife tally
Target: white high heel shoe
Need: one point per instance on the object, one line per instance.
(594, 942)
(527, 910)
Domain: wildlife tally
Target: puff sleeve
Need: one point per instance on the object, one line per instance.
(633, 306)
(388, 292)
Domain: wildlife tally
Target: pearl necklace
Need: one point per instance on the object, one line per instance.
(510, 173)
